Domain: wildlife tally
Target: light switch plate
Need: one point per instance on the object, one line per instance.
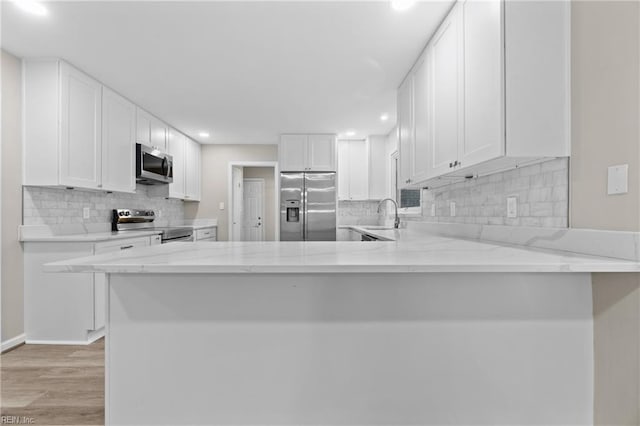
(452, 208)
(86, 213)
(512, 207)
(618, 179)
(222, 205)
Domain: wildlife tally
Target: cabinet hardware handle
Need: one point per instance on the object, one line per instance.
(126, 247)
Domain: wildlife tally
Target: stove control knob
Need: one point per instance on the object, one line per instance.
(127, 213)
(120, 213)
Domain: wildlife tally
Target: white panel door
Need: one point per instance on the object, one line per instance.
(421, 114)
(143, 127)
(293, 153)
(446, 89)
(177, 148)
(483, 82)
(237, 198)
(253, 210)
(193, 170)
(358, 170)
(80, 130)
(405, 131)
(321, 153)
(118, 142)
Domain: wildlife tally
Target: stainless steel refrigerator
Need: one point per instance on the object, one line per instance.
(308, 206)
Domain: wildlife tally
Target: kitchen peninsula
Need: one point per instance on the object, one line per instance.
(438, 331)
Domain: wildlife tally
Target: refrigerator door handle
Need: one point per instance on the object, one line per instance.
(305, 230)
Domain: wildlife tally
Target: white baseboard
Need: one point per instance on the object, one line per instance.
(91, 337)
(13, 342)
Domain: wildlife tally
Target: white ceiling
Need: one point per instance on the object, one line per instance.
(243, 71)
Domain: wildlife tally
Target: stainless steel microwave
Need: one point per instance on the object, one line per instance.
(153, 167)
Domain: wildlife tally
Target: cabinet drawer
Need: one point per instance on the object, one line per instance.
(205, 234)
(117, 245)
(155, 239)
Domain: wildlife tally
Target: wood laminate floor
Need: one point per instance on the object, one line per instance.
(54, 384)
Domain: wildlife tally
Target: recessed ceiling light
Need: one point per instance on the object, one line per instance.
(402, 5)
(203, 134)
(31, 6)
(384, 117)
(350, 133)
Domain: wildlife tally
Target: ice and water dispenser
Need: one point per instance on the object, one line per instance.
(293, 210)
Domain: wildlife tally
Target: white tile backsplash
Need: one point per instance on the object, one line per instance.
(358, 213)
(541, 190)
(58, 206)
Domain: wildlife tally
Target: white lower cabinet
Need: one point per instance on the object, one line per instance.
(206, 234)
(66, 308)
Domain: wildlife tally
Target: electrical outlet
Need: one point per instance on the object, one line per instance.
(222, 205)
(512, 207)
(159, 213)
(618, 179)
(86, 213)
(452, 208)
(433, 210)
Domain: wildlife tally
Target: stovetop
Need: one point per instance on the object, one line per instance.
(142, 220)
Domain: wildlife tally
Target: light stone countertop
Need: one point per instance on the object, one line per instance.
(92, 237)
(431, 254)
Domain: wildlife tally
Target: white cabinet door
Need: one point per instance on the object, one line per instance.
(99, 279)
(80, 129)
(358, 170)
(193, 165)
(446, 90)
(343, 170)
(143, 126)
(118, 142)
(159, 133)
(405, 132)
(483, 88)
(321, 153)
(353, 173)
(378, 167)
(421, 115)
(177, 148)
(293, 153)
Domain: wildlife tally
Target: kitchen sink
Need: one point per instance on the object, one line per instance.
(378, 228)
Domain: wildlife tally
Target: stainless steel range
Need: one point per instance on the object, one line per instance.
(142, 220)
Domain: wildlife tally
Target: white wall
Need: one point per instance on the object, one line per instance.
(215, 168)
(12, 275)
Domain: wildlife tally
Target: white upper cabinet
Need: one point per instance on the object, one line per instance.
(292, 153)
(421, 118)
(447, 89)
(177, 142)
(186, 167)
(321, 152)
(490, 92)
(80, 129)
(152, 131)
(299, 153)
(62, 126)
(353, 170)
(483, 137)
(193, 170)
(405, 131)
(118, 142)
(143, 125)
(80, 134)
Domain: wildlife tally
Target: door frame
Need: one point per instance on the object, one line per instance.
(264, 184)
(276, 184)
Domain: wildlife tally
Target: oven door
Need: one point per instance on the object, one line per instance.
(152, 166)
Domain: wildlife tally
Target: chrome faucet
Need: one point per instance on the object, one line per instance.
(396, 223)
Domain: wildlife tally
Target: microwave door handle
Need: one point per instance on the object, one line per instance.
(164, 168)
